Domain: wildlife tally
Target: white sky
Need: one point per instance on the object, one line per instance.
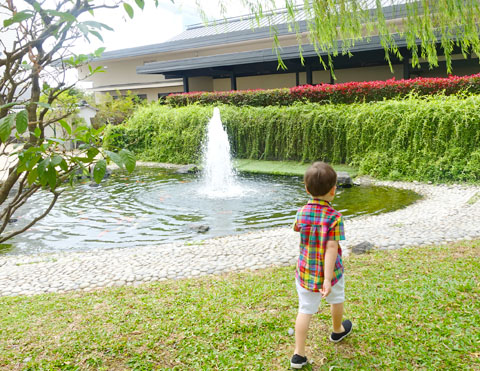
(155, 25)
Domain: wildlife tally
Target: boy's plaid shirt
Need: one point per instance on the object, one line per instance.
(317, 223)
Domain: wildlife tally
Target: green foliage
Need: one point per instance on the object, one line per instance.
(115, 111)
(162, 133)
(430, 138)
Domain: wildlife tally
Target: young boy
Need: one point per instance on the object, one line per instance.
(319, 272)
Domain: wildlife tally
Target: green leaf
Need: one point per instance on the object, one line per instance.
(92, 152)
(83, 29)
(44, 105)
(128, 159)
(52, 177)
(116, 158)
(42, 166)
(99, 51)
(32, 176)
(56, 140)
(22, 121)
(17, 18)
(66, 126)
(6, 124)
(140, 3)
(67, 17)
(32, 162)
(99, 171)
(56, 160)
(128, 9)
(37, 132)
(98, 25)
(97, 35)
(8, 105)
(64, 165)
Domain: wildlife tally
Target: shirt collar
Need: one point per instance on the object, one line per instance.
(317, 201)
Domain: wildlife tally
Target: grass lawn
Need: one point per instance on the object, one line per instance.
(283, 167)
(417, 308)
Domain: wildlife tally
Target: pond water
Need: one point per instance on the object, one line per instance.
(153, 206)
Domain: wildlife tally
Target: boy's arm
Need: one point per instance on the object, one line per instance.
(330, 258)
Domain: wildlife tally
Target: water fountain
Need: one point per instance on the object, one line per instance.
(218, 175)
(155, 206)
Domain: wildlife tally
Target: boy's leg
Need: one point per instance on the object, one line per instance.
(337, 315)
(301, 330)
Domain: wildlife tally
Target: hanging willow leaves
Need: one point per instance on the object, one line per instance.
(335, 26)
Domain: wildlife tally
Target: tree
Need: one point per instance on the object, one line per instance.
(37, 40)
(335, 26)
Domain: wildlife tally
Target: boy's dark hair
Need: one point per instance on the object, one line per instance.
(319, 178)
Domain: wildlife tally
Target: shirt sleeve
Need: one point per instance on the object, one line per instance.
(336, 231)
(296, 228)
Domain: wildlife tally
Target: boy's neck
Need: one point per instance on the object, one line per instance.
(323, 198)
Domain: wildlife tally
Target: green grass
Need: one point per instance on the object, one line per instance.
(417, 308)
(283, 167)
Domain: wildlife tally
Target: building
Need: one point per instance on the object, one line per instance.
(233, 55)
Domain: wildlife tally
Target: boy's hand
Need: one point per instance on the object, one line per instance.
(326, 288)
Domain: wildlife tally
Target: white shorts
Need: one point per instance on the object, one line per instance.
(309, 301)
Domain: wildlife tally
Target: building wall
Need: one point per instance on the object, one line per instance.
(284, 80)
(119, 73)
(368, 73)
(442, 71)
(151, 93)
(221, 84)
(200, 84)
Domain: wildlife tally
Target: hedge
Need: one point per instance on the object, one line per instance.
(431, 138)
(350, 92)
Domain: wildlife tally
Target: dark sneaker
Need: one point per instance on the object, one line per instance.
(336, 337)
(298, 361)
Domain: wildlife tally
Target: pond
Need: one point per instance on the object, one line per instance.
(155, 206)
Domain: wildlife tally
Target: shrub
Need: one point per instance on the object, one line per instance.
(368, 91)
(161, 133)
(115, 111)
(429, 138)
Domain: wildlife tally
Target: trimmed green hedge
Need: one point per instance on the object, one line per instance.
(348, 92)
(430, 138)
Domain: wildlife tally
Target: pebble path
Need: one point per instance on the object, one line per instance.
(446, 213)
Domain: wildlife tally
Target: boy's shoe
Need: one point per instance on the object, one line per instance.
(336, 337)
(298, 361)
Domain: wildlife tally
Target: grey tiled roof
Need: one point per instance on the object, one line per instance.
(227, 31)
(244, 23)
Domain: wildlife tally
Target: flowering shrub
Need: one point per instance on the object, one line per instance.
(349, 92)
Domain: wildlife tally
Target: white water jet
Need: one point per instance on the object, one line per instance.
(219, 179)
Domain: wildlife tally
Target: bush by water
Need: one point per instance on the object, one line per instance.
(424, 138)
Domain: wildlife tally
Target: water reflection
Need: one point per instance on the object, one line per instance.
(155, 206)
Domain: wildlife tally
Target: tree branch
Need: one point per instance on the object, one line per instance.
(50, 207)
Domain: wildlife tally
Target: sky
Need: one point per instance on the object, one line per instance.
(154, 25)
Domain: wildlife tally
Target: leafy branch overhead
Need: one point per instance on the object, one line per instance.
(426, 28)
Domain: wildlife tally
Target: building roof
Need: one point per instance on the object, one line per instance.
(230, 30)
(254, 56)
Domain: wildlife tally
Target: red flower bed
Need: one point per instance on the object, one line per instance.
(349, 92)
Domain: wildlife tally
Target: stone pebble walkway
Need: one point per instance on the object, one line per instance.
(446, 213)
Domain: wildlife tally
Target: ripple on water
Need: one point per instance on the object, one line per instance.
(154, 206)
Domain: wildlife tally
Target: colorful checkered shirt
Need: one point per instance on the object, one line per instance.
(317, 223)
